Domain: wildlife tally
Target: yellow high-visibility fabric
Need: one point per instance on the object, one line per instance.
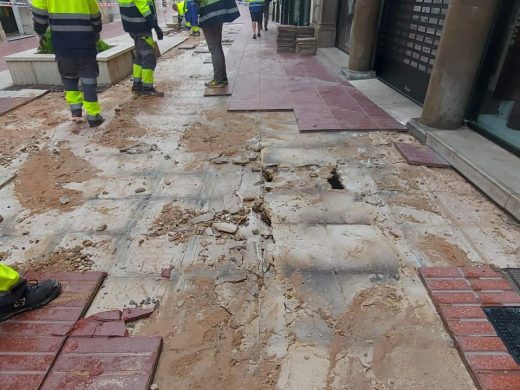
(148, 77)
(85, 7)
(137, 72)
(92, 108)
(142, 5)
(73, 97)
(8, 278)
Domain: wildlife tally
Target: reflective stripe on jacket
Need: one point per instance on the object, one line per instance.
(74, 25)
(138, 16)
(217, 11)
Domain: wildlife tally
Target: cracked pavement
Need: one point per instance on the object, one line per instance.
(317, 287)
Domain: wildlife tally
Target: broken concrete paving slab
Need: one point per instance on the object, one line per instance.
(134, 314)
(320, 207)
(334, 248)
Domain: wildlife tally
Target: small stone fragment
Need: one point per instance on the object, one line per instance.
(102, 228)
(224, 227)
(220, 160)
(203, 218)
(154, 387)
(208, 231)
(64, 200)
(241, 160)
(139, 190)
(166, 273)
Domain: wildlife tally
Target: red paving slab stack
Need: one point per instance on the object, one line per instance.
(416, 154)
(105, 364)
(31, 341)
(459, 294)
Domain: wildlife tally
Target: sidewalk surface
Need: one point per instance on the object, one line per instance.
(288, 260)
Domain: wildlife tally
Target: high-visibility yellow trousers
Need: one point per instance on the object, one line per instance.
(8, 278)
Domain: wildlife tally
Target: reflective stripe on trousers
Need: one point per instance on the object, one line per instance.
(8, 278)
(145, 60)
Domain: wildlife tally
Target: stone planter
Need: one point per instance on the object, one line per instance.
(31, 68)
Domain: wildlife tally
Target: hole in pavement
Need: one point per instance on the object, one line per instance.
(335, 181)
(268, 175)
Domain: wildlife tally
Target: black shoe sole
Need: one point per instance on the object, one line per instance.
(49, 299)
(96, 124)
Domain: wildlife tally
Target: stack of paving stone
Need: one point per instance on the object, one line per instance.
(286, 40)
(298, 39)
(306, 46)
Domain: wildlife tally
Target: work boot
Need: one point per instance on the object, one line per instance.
(77, 113)
(216, 83)
(136, 88)
(34, 296)
(259, 35)
(151, 92)
(195, 34)
(254, 36)
(96, 121)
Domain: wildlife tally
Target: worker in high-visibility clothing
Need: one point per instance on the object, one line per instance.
(18, 295)
(139, 18)
(180, 7)
(75, 26)
(192, 17)
(256, 8)
(213, 15)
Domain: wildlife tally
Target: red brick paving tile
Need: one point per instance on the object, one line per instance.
(39, 363)
(455, 297)
(471, 328)
(13, 328)
(89, 327)
(440, 272)
(109, 315)
(490, 284)
(499, 381)
(29, 344)
(500, 361)
(475, 343)
(498, 298)
(136, 314)
(81, 381)
(416, 154)
(448, 284)
(105, 364)
(459, 312)
(477, 272)
(17, 381)
(69, 314)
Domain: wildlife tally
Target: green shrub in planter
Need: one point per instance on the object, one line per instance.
(46, 44)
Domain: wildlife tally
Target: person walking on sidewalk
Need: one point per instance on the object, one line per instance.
(75, 26)
(192, 16)
(267, 5)
(139, 18)
(18, 295)
(213, 15)
(256, 8)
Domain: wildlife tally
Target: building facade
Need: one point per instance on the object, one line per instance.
(459, 59)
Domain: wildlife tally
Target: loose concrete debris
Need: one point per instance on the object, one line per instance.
(166, 272)
(140, 148)
(241, 160)
(64, 200)
(62, 260)
(102, 228)
(225, 227)
(140, 190)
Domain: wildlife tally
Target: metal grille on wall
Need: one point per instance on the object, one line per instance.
(408, 40)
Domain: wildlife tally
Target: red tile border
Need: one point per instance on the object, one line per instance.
(459, 294)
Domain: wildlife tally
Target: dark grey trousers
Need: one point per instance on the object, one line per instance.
(73, 69)
(213, 34)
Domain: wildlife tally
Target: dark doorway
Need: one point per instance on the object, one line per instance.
(408, 40)
(344, 24)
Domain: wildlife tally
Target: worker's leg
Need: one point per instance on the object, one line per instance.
(88, 74)
(17, 296)
(137, 72)
(193, 11)
(260, 20)
(266, 15)
(187, 16)
(145, 46)
(68, 68)
(213, 34)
